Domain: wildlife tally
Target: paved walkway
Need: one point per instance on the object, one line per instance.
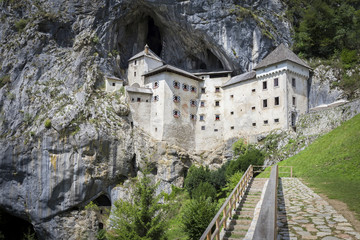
(305, 215)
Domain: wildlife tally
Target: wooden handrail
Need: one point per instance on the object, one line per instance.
(226, 209)
(291, 170)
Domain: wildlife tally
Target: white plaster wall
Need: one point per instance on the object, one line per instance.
(151, 63)
(140, 111)
(139, 68)
(286, 65)
(109, 85)
(210, 138)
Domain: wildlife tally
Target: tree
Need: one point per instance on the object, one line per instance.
(195, 176)
(197, 215)
(142, 218)
(205, 190)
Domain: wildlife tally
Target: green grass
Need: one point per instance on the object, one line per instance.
(331, 165)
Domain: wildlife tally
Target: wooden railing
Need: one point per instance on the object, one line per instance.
(291, 170)
(226, 210)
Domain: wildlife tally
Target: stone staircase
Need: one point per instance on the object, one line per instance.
(244, 214)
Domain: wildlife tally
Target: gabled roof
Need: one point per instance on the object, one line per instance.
(280, 54)
(240, 78)
(139, 90)
(150, 54)
(169, 68)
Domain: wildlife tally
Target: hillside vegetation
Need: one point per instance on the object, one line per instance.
(331, 165)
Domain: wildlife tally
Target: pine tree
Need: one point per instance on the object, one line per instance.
(142, 218)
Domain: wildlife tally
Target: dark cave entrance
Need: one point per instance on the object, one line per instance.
(153, 38)
(104, 208)
(15, 228)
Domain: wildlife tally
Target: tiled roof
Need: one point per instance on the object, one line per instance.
(169, 68)
(151, 54)
(240, 78)
(139, 90)
(280, 54)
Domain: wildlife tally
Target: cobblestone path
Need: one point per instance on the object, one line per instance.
(305, 215)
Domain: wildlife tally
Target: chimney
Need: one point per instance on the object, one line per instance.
(146, 50)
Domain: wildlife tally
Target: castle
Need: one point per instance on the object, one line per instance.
(200, 111)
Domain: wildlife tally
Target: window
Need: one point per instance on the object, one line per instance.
(276, 120)
(176, 84)
(265, 103)
(134, 74)
(217, 117)
(185, 87)
(232, 113)
(202, 104)
(265, 85)
(215, 130)
(277, 101)
(217, 89)
(231, 96)
(202, 127)
(156, 98)
(176, 113)
(147, 100)
(203, 90)
(266, 122)
(138, 99)
(133, 99)
(202, 118)
(135, 63)
(253, 90)
(217, 103)
(193, 117)
(276, 82)
(232, 127)
(254, 124)
(155, 129)
(113, 84)
(293, 82)
(193, 103)
(193, 89)
(294, 101)
(176, 98)
(155, 85)
(253, 108)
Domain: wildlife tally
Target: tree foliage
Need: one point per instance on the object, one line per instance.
(197, 215)
(195, 176)
(142, 218)
(205, 190)
(251, 156)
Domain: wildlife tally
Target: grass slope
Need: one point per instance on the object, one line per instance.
(331, 165)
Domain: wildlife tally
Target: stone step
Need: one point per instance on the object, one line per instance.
(240, 222)
(238, 227)
(235, 234)
(245, 213)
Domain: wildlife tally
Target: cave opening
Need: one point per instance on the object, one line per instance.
(15, 228)
(153, 38)
(102, 201)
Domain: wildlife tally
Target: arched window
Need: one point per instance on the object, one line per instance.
(185, 87)
(193, 103)
(193, 117)
(156, 98)
(193, 89)
(176, 113)
(176, 99)
(155, 84)
(176, 84)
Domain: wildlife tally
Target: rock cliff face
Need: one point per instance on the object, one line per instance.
(54, 55)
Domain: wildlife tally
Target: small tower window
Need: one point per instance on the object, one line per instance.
(253, 108)
(215, 130)
(232, 127)
(113, 84)
(265, 85)
(193, 89)
(217, 117)
(176, 98)
(253, 90)
(294, 101)
(217, 89)
(135, 62)
(156, 84)
(217, 103)
(185, 87)
(231, 96)
(232, 113)
(156, 98)
(176, 113)
(276, 82)
(202, 118)
(176, 84)
(254, 124)
(193, 103)
(133, 99)
(138, 99)
(277, 101)
(266, 122)
(276, 120)
(193, 117)
(202, 127)
(202, 104)
(265, 103)
(134, 74)
(203, 90)
(293, 82)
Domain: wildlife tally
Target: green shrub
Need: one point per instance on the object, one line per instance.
(348, 57)
(195, 176)
(205, 190)
(232, 182)
(21, 24)
(239, 147)
(95, 39)
(4, 80)
(47, 123)
(218, 177)
(197, 215)
(252, 156)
